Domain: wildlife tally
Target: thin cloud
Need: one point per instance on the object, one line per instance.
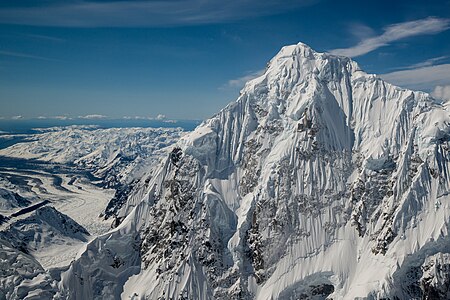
(361, 31)
(425, 78)
(143, 13)
(137, 118)
(92, 117)
(25, 55)
(442, 92)
(45, 37)
(238, 83)
(61, 118)
(395, 32)
(429, 62)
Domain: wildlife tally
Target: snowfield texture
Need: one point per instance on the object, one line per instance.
(117, 157)
(93, 149)
(46, 233)
(50, 205)
(320, 181)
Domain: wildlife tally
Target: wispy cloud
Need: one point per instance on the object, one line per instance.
(239, 82)
(424, 78)
(161, 117)
(62, 118)
(393, 33)
(429, 62)
(361, 31)
(142, 13)
(138, 118)
(92, 117)
(45, 37)
(25, 55)
(442, 92)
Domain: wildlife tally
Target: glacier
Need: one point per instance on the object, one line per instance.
(319, 182)
(112, 158)
(54, 184)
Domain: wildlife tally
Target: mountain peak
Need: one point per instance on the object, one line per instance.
(299, 63)
(300, 187)
(297, 49)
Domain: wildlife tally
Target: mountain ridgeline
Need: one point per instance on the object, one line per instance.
(319, 182)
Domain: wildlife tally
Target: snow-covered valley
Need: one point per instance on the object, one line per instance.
(69, 174)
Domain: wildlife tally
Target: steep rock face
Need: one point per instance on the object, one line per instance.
(320, 180)
(435, 281)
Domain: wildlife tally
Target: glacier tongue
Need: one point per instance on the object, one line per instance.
(319, 181)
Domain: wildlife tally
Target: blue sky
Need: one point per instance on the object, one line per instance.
(187, 59)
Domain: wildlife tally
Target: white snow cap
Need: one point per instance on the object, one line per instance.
(319, 181)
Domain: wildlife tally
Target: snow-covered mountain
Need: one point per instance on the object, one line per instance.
(105, 152)
(44, 237)
(50, 201)
(320, 181)
(21, 276)
(118, 157)
(45, 233)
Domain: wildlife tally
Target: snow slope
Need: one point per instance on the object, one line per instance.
(53, 168)
(117, 157)
(10, 199)
(94, 149)
(19, 273)
(320, 181)
(50, 236)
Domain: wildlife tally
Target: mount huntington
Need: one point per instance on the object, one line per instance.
(320, 181)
